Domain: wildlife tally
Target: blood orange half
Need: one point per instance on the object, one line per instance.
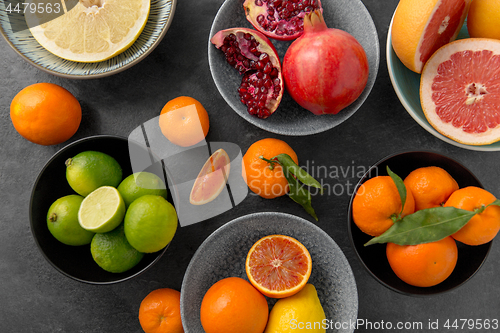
(278, 266)
(420, 27)
(212, 178)
(460, 91)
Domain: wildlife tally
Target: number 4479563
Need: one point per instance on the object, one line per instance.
(472, 324)
(33, 8)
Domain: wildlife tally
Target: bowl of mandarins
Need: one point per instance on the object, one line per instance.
(438, 239)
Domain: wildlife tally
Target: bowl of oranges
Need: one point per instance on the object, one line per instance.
(237, 280)
(438, 239)
(86, 207)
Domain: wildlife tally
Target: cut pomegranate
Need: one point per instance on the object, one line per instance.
(253, 55)
(279, 19)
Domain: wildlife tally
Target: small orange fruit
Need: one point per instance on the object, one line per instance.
(423, 265)
(481, 228)
(431, 186)
(233, 305)
(184, 121)
(160, 312)
(45, 113)
(483, 18)
(376, 203)
(263, 179)
(278, 266)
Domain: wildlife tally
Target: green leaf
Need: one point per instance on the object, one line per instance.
(424, 226)
(289, 165)
(300, 195)
(495, 203)
(400, 185)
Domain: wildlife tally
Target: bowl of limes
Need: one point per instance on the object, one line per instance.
(95, 217)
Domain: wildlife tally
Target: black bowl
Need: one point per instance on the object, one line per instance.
(373, 257)
(76, 261)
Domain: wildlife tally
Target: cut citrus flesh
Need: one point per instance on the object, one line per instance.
(460, 91)
(93, 30)
(278, 266)
(212, 178)
(102, 210)
(420, 27)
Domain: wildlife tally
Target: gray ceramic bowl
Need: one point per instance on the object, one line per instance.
(160, 17)
(290, 118)
(223, 254)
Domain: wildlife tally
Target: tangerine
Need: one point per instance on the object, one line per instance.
(423, 265)
(263, 179)
(45, 114)
(278, 266)
(431, 186)
(184, 121)
(483, 227)
(233, 305)
(160, 312)
(377, 203)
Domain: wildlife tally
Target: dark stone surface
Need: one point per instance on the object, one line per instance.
(36, 298)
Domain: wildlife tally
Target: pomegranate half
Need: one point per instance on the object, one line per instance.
(325, 69)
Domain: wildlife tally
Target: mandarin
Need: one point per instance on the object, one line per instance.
(233, 305)
(45, 114)
(160, 312)
(263, 179)
(377, 203)
(431, 186)
(483, 227)
(184, 121)
(423, 265)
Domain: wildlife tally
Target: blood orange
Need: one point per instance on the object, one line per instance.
(420, 27)
(278, 266)
(460, 91)
(211, 179)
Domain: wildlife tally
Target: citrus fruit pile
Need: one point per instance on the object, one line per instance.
(458, 88)
(121, 219)
(421, 234)
(277, 266)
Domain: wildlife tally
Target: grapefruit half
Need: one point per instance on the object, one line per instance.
(212, 178)
(278, 266)
(460, 91)
(420, 27)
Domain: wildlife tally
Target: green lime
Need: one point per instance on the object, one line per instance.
(92, 169)
(62, 221)
(139, 184)
(113, 253)
(150, 223)
(102, 210)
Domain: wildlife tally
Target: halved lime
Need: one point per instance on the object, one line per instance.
(102, 210)
(139, 184)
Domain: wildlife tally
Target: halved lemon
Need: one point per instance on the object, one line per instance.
(93, 30)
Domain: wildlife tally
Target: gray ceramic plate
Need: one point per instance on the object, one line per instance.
(290, 118)
(224, 252)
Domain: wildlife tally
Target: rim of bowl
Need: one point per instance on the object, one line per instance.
(99, 75)
(402, 99)
(350, 222)
(59, 152)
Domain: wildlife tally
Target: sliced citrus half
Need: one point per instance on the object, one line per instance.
(460, 91)
(420, 27)
(212, 178)
(102, 210)
(93, 30)
(278, 266)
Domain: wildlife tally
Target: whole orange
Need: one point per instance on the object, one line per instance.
(483, 18)
(45, 113)
(184, 121)
(233, 305)
(423, 265)
(376, 203)
(262, 178)
(483, 227)
(160, 312)
(431, 186)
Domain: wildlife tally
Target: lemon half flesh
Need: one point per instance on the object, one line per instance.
(93, 30)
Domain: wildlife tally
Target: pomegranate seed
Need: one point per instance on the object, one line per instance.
(258, 3)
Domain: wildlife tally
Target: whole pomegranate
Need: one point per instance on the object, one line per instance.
(325, 69)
